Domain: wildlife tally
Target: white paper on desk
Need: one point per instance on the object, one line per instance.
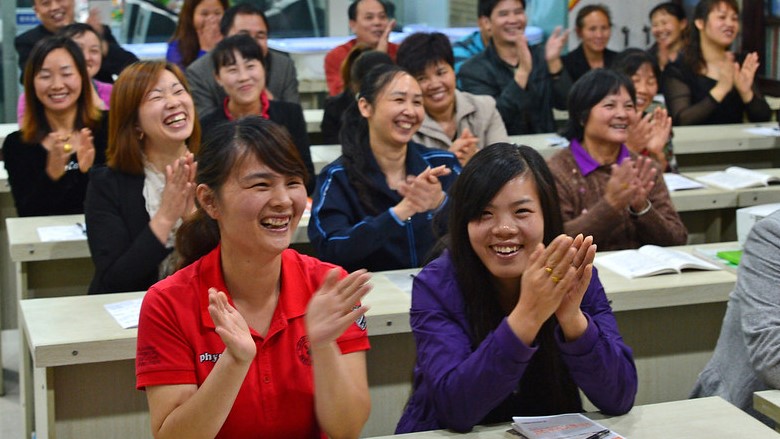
(125, 313)
(61, 233)
(402, 280)
(676, 182)
(764, 131)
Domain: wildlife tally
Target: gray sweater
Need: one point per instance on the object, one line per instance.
(747, 356)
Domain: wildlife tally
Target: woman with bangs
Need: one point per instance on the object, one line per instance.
(374, 206)
(238, 67)
(455, 120)
(511, 319)
(62, 133)
(92, 46)
(135, 204)
(669, 27)
(707, 85)
(594, 28)
(605, 189)
(251, 339)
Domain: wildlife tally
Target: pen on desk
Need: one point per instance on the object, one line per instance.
(599, 434)
(82, 227)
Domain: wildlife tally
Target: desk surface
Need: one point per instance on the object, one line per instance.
(703, 418)
(25, 245)
(57, 337)
(767, 402)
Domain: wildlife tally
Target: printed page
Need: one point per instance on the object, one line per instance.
(632, 263)
(677, 259)
(764, 131)
(566, 426)
(125, 313)
(729, 180)
(73, 232)
(750, 174)
(677, 182)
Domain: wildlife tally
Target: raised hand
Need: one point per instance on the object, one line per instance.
(85, 149)
(645, 174)
(93, 20)
(384, 40)
(421, 193)
(725, 77)
(745, 75)
(209, 34)
(621, 185)
(525, 61)
(660, 135)
(231, 327)
(548, 276)
(553, 49)
(59, 147)
(569, 314)
(465, 146)
(335, 306)
(639, 132)
(179, 188)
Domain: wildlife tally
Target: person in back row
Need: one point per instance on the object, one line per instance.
(594, 27)
(281, 77)
(606, 190)
(373, 207)
(368, 21)
(526, 82)
(238, 63)
(707, 85)
(455, 120)
(56, 14)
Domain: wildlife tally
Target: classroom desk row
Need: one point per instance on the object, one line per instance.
(702, 418)
(84, 371)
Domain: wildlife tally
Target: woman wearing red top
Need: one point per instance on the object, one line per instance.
(252, 339)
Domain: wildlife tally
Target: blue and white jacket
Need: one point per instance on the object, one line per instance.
(342, 231)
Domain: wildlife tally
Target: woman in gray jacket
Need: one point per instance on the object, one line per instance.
(457, 121)
(747, 356)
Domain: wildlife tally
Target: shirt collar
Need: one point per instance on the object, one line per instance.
(588, 164)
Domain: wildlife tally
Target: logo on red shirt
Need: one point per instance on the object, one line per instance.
(206, 357)
(303, 349)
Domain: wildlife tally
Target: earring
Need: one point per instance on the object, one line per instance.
(141, 136)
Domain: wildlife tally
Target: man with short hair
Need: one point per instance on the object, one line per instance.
(280, 74)
(368, 21)
(526, 82)
(56, 14)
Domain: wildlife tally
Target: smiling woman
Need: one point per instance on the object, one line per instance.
(606, 190)
(373, 207)
(62, 135)
(457, 121)
(594, 28)
(134, 206)
(510, 319)
(289, 336)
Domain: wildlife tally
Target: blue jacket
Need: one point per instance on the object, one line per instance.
(342, 231)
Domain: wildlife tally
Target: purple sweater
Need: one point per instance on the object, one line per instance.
(456, 386)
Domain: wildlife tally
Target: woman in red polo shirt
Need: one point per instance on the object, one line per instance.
(251, 338)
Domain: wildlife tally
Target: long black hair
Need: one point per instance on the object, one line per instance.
(354, 135)
(692, 55)
(546, 386)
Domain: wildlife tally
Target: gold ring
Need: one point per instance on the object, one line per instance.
(555, 279)
(548, 270)
(625, 185)
(67, 147)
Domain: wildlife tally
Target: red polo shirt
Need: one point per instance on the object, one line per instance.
(177, 344)
(336, 56)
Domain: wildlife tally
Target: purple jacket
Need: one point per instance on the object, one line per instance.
(455, 386)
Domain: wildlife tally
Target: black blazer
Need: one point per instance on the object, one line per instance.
(125, 251)
(576, 64)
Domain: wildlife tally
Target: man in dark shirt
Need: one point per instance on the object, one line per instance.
(56, 14)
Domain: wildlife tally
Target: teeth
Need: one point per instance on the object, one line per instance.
(405, 125)
(59, 96)
(505, 250)
(276, 222)
(178, 118)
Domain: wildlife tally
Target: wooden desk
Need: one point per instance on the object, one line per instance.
(321, 155)
(313, 118)
(703, 418)
(767, 402)
(6, 129)
(44, 269)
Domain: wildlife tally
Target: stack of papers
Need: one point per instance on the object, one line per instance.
(566, 426)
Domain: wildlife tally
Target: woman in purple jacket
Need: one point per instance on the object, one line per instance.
(512, 319)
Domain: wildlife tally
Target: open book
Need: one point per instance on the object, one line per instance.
(566, 426)
(650, 260)
(676, 182)
(735, 177)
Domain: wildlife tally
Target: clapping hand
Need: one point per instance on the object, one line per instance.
(384, 40)
(745, 75)
(421, 193)
(231, 327)
(335, 306)
(465, 146)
